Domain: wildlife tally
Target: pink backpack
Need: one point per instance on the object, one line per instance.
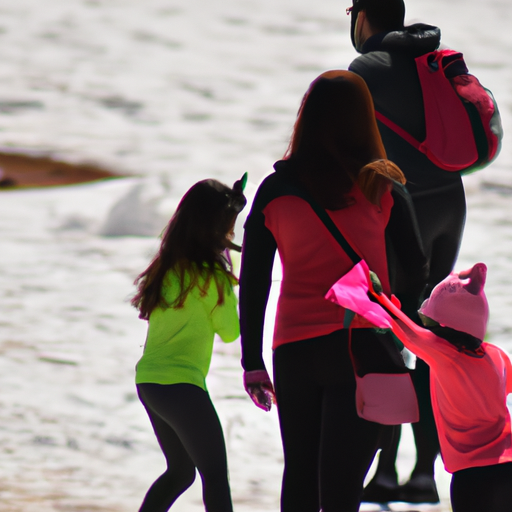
(462, 120)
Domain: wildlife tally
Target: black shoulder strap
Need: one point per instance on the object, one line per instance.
(329, 224)
(335, 232)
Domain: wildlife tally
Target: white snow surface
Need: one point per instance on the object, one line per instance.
(169, 92)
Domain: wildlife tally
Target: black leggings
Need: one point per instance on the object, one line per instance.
(328, 449)
(441, 215)
(484, 489)
(190, 435)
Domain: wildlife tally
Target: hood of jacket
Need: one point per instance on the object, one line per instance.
(414, 40)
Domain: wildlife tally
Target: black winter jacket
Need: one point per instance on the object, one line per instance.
(387, 65)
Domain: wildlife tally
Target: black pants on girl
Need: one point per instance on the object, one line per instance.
(190, 435)
(484, 489)
(328, 449)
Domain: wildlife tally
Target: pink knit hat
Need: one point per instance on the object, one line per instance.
(460, 305)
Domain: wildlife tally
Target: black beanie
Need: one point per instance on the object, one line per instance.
(383, 15)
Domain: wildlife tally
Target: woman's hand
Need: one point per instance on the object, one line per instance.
(259, 387)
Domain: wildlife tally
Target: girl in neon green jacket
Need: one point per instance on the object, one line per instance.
(187, 296)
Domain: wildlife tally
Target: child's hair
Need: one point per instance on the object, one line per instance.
(373, 177)
(192, 244)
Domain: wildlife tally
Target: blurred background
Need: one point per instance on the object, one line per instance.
(165, 93)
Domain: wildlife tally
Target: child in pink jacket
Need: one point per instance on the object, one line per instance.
(469, 385)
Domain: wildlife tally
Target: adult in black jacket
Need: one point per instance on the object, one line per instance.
(388, 50)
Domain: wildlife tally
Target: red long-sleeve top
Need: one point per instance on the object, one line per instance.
(312, 260)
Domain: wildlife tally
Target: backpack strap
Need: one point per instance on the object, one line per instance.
(398, 130)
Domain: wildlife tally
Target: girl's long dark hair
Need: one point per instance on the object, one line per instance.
(336, 142)
(192, 245)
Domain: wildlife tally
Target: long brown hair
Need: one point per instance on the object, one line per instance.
(192, 245)
(336, 142)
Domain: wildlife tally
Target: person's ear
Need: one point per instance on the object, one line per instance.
(360, 30)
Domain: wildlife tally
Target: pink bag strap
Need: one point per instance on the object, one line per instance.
(398, 130)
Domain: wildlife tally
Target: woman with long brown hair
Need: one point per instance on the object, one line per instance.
(186, 294)
(337, 158)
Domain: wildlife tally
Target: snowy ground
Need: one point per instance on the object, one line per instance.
(170, 92)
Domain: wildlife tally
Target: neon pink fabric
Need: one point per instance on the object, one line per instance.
(468, 393)
(312, 260)
(351, 292)
(469, 401)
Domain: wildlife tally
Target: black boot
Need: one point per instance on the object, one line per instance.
(419, 489)
(381, 492)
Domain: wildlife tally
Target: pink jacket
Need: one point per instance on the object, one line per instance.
(469, 401)
(468, 392)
